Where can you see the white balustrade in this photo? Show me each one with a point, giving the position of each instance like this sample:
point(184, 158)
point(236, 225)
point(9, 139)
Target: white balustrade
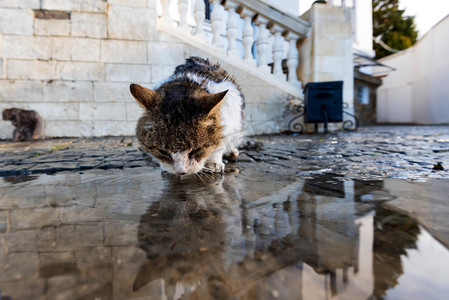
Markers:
point(262, 41)
point(292, 57)
point(247, 35)
point(283, 28)
point(200, 15)
point(183, 6)
point(232, 28)
point(166, 16)
point(278, 50)
point(216, 20)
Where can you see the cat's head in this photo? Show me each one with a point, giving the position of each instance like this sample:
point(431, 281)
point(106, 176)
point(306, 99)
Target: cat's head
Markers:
point(181, 124)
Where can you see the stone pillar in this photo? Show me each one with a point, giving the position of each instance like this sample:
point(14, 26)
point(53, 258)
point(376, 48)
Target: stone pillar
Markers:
point(326, 54)
point(278, 51)
point(248, 35)
point(262, 42)
point(199, 13)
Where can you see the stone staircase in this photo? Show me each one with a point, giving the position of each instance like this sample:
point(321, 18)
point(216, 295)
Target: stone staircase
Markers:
point(256, 43)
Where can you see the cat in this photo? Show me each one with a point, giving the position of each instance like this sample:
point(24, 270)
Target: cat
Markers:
point(192, 119)
point(27, 123)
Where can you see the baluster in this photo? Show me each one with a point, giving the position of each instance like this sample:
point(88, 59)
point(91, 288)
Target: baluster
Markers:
point(199, 11)
point(216, 19)
point(248, 35)
point(166, 16)
point(292, 57)
point(262, 42)
point(183, 6)
point(278, 51)
point(231, 28)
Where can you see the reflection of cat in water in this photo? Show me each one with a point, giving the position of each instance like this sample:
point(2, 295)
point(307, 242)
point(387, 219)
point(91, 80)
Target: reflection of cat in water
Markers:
point(184, 234)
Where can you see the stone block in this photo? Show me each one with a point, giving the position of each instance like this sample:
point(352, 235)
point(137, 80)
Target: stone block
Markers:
point(3, 221)
point(6, 129)
point(34, 288)
point(335, 30)
point(21, 91)
point(16, 21)
point(81, 215)
point(111, 92)
point(139, 3)
point(133, 111)
point(128, 73)
point(89, 5)
point(27, 197)
point(330, 47)
point(76, 49)
point(34, 218)
point(120, 233)
point(18, 266)
point(113, 128)
point(102, 111)
point(33, 4)
point(56, 111)
point(65, 91)
point(331, 64)
point(166, 53)
point(2, 72)
point(95, 256)
point(160, 73)
point(34, 70)
point(52, 27)
point(79, 237)
point(31, 240)
point(127, 262)
point(89, 25)
point(88, 71)
point(26, 47)
point(131, 23)
point(63, 5)
point(68, 128)
point(123, 51)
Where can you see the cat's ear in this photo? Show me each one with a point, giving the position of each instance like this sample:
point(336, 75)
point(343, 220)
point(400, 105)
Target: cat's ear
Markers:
point(144, 96)
point(212, 102)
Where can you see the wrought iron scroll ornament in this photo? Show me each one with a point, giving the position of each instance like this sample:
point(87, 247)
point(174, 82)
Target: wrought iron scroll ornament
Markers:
point(348, 124)
point(295, 124)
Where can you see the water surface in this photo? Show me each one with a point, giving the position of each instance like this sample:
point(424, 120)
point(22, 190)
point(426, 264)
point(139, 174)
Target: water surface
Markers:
point(139, 234)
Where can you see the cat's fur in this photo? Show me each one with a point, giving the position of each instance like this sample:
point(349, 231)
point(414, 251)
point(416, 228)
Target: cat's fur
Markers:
point(191, 120)
point(27, 123)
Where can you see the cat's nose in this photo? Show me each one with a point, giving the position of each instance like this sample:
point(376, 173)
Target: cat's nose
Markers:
point(181, 173)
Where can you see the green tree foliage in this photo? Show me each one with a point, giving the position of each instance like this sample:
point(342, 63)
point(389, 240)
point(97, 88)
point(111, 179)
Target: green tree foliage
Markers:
point(396, 30)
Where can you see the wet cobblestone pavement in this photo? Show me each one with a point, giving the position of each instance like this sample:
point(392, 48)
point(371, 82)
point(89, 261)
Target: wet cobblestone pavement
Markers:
point(356, 215)
point(407, 152)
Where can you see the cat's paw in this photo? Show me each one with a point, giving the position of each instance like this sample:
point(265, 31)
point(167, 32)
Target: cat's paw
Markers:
point(232, 156)
point(214, 167)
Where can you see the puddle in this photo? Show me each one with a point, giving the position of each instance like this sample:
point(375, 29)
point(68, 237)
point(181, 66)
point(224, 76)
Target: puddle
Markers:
point(251, 235)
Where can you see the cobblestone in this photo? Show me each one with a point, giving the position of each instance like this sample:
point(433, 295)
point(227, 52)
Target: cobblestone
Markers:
point(408, 152)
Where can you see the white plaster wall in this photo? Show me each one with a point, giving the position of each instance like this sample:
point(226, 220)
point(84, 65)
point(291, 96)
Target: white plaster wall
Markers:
point(418, 91)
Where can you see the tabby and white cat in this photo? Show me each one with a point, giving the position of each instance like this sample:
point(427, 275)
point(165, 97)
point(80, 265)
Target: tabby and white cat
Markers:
point(192, 119)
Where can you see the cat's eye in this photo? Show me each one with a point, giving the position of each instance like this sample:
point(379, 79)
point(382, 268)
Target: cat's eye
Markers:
point(163, 152)
point(195, 151)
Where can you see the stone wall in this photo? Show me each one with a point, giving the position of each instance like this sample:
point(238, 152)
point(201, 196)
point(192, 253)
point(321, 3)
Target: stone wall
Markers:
point(72, 61)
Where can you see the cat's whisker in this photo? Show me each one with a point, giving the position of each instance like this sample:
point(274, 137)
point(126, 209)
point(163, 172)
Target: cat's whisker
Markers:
point(206, 175)
point(198, 175)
